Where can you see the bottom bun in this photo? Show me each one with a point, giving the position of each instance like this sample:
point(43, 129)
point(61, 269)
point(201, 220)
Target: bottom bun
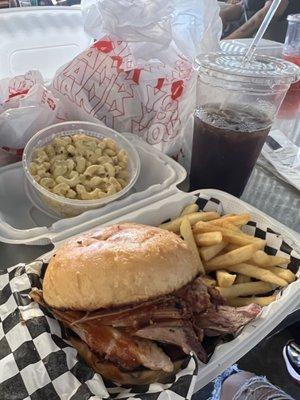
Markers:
point(111, 372)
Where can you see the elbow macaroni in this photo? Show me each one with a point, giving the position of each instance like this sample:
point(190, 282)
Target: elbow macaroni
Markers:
point(81, 167)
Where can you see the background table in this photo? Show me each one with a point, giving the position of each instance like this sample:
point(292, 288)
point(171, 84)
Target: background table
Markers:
point(273, 196)
point(270, 193)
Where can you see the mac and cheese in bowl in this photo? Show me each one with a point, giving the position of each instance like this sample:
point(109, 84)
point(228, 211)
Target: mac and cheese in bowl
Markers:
point(79, 169)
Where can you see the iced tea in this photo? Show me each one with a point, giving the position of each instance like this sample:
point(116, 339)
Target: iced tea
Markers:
point(227, 142)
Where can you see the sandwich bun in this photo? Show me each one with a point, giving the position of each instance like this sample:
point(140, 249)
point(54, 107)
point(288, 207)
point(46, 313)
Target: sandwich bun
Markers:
point(117, 265)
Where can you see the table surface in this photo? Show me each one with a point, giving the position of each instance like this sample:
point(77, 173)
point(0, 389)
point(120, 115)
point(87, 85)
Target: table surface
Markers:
point(273, 196)
point(270, 193)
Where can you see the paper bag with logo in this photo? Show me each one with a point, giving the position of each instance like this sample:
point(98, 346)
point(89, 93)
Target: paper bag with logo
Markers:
point(138, 76)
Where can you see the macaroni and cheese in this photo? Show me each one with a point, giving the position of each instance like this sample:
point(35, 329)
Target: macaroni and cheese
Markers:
point(81, 167)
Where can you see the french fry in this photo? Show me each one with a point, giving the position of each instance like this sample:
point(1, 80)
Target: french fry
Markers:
point(236, 256)
point(237, 220)
point(283, 273)
point(207, 253)
point(187, 234)
point(245, 301)
point(232, 227)
point(235, 237)
point(245, 289)
point(264, 260)
point(231, 246)
point(174, 225)
point(209, 281)
point(191, 208)
point(257, 273)
point(242, 278)
point(208, 238)
point(225, 279)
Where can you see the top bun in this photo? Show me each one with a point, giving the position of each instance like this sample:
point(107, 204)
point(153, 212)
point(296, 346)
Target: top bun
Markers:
point(117, 265)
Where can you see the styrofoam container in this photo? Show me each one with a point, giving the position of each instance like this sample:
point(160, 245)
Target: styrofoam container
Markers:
point(44, 38)
point(62, 206)
point(40, 38)
point(24, 219)
point(228, 353)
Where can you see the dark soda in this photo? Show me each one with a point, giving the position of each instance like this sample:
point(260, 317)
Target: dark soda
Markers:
point(227, 142)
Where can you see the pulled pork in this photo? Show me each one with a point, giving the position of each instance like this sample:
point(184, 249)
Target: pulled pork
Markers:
point(134, 336)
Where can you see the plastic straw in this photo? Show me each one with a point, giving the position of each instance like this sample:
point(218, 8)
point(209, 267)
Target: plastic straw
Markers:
point(245, 12)
point(261, 31)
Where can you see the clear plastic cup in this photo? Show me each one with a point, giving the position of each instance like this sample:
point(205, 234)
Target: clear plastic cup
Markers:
point(290, 107)
point(292, 39)
point(236, 105)
point(62, 206)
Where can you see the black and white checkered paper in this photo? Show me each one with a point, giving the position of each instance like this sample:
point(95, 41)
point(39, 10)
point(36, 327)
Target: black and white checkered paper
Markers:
point(38, 363)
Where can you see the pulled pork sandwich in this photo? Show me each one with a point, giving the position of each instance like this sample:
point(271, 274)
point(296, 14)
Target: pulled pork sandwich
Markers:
point(133, 303)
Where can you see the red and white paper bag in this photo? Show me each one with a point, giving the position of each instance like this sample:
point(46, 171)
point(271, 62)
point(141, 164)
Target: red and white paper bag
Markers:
point(26, 106)
point(138, 76)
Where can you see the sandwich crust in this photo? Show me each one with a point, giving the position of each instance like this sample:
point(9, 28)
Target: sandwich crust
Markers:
point(117, 265)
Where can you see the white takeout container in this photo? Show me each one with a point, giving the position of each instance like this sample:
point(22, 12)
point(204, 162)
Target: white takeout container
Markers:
point(24, 219)
point(62, 206)
point(40, 38)
point(228, 353)
point(45, 38)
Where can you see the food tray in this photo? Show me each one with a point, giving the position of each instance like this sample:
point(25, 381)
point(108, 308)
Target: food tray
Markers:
point(280, 240)
point(25, 220)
